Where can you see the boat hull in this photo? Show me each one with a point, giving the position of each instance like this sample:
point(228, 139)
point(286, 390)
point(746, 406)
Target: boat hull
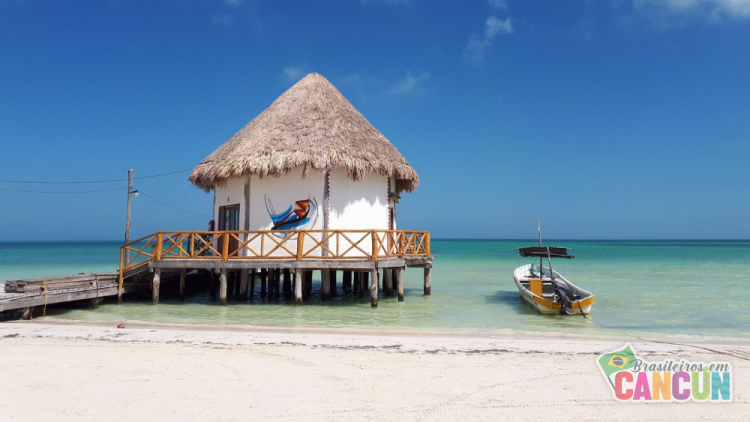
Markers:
point(550, 307)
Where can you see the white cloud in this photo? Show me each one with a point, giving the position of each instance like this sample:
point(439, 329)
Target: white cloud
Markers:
point(714, 8)
point(495, 25)
point(396, 2)
point(224, 19)
point(474, 51)
point(294, 73)
point(478, 45)
point(499, 4)
point(409, 83)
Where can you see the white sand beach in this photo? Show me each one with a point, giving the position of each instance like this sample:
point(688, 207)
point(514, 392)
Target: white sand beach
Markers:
point(84, 371)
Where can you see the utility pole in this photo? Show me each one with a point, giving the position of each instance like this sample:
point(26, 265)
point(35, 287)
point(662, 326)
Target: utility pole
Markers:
point(127, 221)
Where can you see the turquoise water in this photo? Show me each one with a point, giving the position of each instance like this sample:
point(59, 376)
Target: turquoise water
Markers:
point(652, 288)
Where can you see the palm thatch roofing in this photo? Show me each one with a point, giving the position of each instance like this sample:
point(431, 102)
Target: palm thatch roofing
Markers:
point(311, 126)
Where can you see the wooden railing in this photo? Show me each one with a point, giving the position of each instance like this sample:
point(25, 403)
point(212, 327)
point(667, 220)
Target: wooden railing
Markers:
point(267, 244)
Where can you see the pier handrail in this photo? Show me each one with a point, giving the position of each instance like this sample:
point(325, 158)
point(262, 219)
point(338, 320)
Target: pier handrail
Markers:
point(273, 244)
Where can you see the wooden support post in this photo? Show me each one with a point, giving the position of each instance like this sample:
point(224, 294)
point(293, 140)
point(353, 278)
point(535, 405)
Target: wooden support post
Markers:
point(374, 288)
point(346, 284)
point(277, 283)
point(298, 276)
point(387, 282)
point(332, 278)
point(364, 278)
point(94, 303)
point(243, 284)
point(325, 277)
point(213, 283)
point(400, 283)
point(252, 283)
point(223, 287)
point(427, 281)
point(182, 284)
point(235, 284)
point(356, 281)
point(263, 274)
point(287, 284)
point(155, 283)
point(308, 283)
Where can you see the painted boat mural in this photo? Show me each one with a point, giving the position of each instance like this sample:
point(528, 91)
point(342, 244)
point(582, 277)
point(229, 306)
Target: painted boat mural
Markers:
point(301, 215)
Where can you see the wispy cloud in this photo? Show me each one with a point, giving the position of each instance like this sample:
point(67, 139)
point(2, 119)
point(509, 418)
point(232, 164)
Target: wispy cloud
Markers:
point(713, 10)
point(294, 73)
point(493, 26)
point(239, 13)
point(224, 19)
point(394, 2)
point(499, 4)
point(409, 83)
point(475, 49)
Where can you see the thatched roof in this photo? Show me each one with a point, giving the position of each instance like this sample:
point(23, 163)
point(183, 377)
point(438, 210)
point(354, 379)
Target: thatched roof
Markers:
point(311, 126)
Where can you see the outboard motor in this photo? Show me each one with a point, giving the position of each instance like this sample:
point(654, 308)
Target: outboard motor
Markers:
point(564, 298)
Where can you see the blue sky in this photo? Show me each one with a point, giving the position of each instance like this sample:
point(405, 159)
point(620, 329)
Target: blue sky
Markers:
point(607, 119)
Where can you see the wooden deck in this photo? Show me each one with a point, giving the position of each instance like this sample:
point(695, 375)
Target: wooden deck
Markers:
point(361, 255)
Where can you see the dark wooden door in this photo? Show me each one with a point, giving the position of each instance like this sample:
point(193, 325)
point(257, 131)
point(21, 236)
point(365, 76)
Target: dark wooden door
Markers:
point(229, 219)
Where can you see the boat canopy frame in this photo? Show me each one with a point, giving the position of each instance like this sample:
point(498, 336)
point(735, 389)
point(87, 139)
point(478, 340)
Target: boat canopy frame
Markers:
point(545, 252)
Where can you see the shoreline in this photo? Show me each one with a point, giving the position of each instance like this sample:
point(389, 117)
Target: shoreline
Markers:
point(617, 334)
point(399, 340)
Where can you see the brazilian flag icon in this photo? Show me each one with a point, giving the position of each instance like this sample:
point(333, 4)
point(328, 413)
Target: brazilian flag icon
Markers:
point(618, 360)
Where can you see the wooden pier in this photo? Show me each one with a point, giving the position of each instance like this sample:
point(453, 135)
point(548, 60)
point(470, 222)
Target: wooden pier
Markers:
point(24, 295)
point(234, 262)
point(364, 257)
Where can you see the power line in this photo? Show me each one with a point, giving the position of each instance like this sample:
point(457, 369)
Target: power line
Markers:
point(63, 192)
point(90, 181)
point(171, 206)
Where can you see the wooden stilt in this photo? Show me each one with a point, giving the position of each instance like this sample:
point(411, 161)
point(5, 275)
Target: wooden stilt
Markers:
point(277, 283)
point(243, 284)
point(155, 283)
point(387, 282)
point(298, 276)
point(94, 303)
point(374, 288)
point(332, 278)
point(212, 288)
point(287, 284)
point(182, 284)
point(356, 281)
point(308, 283)
point(231, 283)
point(364, 278)
point(252, 283)
point(263, 274)
point(346, 283)
point(427, 281)
point(325, 277)
point(400, 283)
point(223, 287)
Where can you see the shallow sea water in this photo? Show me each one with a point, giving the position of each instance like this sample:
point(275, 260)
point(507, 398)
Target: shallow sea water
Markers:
point(645, 288)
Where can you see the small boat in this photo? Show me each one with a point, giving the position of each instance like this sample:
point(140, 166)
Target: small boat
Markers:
point(547, 290)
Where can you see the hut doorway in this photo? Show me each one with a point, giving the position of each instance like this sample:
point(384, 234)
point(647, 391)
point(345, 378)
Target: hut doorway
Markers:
point(229, 219)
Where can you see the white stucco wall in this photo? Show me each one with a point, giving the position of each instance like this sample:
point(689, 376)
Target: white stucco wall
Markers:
point(360, 205)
